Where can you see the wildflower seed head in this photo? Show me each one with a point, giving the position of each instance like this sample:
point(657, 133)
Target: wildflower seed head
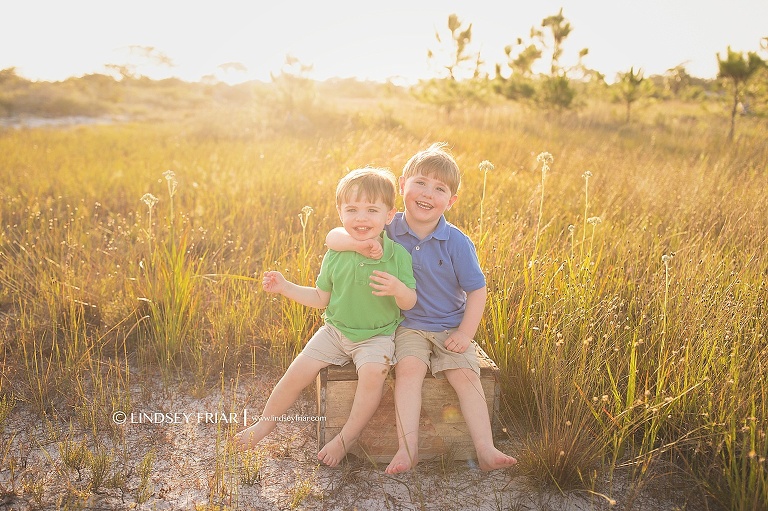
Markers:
point(306, 211)
point(587, 175)
point(149, 199)
point(571, 228)
point(485, 166)
point(594, 220)
point(170, 177)
point(546, 158)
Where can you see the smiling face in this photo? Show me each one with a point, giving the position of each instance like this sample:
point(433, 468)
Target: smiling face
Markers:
point(365, 200)
point(363, 219)
point(426, 198)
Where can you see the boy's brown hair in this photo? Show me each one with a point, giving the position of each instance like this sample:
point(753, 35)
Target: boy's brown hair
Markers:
point(437, 162)
point(369, 182)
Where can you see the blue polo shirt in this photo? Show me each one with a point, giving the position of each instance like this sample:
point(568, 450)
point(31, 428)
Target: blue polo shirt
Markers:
point(446, 268)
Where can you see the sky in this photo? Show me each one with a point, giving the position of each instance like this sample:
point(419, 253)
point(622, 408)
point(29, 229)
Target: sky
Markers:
point(54, 39)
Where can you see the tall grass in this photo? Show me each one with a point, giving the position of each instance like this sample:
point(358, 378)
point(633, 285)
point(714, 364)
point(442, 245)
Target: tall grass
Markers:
point(614, 356)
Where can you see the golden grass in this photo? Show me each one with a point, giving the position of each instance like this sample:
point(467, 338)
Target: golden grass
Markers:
point(622, 344)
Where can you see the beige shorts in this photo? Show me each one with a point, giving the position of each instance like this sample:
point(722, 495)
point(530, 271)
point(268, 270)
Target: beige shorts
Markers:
point(330, 345)
point(429, 347)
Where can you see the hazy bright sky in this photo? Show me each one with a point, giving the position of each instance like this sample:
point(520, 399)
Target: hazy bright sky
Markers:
point(55, 39)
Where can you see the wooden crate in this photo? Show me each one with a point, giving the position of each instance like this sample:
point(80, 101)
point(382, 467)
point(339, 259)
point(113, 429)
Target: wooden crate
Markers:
point(442, 430)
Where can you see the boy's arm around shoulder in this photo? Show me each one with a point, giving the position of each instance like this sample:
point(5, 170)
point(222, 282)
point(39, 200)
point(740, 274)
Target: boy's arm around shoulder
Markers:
point(339, 240)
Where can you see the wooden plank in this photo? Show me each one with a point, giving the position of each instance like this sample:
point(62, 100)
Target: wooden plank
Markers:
point(442, 429)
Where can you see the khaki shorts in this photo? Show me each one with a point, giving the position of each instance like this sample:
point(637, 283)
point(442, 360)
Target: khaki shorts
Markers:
point(330, 345)
point(429, 347)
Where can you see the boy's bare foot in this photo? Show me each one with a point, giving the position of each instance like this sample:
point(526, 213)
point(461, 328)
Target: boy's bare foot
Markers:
point(493, 459)
point(334, 451)
point(402, 462)
point(243, 440)
point(248, 438)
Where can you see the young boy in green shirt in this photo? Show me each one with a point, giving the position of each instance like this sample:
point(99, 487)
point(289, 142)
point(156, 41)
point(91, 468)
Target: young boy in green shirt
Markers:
point(437, 333)
point(362, 298)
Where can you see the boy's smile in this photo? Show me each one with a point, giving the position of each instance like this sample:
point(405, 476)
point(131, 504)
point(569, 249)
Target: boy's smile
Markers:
point(364, 220)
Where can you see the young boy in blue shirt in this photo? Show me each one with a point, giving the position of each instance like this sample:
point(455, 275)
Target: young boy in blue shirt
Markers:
point(437, 332)
point(362, 298)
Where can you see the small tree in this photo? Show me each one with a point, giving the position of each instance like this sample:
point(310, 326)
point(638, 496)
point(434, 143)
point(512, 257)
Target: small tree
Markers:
point(630, 87)
point(519, 85)
point(676, 79)
point(557, 91)
point(295, 90)
point(525, 59)
point(556, 88)
point(738, 69)
point(455, 53)
point(455, 57)
point(560, 30)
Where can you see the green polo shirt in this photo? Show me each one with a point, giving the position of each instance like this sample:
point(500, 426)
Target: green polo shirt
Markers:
point(353, 308)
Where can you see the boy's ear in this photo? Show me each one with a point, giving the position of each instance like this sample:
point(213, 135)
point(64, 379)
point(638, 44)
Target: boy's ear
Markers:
point(401, 183)
point(452, 201)
point(391, 215)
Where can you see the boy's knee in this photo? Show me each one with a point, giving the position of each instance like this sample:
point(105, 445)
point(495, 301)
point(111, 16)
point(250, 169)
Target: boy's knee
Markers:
point(372, 371)
point(462, 376)
point(411, 366)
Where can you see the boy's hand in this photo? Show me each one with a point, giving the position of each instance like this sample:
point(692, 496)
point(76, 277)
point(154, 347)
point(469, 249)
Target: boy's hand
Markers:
point(371, 249)
point(384, 284)
point(273, 282)
point(458, 342)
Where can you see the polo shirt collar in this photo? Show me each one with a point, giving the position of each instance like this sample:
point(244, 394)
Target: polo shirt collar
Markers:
point(441, 232)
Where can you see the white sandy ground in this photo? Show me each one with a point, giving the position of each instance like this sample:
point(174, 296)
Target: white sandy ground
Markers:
point(191, 471)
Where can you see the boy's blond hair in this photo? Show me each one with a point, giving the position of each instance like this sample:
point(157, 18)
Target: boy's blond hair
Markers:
point(370, 183)
point(435, 161)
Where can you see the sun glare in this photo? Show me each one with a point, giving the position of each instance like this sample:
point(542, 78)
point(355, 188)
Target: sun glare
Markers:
point(240, 41)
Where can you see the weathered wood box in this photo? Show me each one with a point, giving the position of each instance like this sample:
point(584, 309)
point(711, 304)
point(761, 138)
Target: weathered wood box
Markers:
point(442, 430)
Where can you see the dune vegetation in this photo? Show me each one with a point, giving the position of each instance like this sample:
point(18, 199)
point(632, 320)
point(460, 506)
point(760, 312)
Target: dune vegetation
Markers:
point(626, 266)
